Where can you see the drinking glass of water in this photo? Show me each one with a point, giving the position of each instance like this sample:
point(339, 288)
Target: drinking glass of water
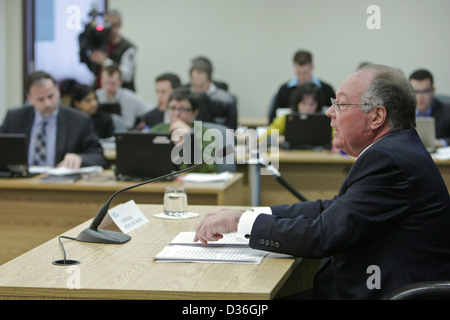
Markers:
point(175, 202)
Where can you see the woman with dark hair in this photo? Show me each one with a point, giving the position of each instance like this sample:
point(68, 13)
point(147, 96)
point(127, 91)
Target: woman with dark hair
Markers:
point(84, 99)
point(306, 99)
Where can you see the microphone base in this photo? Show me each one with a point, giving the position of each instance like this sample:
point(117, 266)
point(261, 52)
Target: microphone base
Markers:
point(103, 236)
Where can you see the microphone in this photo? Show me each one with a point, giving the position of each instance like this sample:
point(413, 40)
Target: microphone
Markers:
point(282, 181)
point(95, 235)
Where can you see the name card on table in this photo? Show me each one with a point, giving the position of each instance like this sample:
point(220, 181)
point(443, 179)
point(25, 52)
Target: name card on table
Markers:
point(127, 217)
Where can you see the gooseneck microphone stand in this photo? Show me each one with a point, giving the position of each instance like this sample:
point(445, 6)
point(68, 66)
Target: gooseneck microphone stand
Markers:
point(282, 181)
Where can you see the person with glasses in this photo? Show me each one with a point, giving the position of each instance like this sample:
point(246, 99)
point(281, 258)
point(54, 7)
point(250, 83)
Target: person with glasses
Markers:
point(183, 109)
point(387, 227)
point(428, 106)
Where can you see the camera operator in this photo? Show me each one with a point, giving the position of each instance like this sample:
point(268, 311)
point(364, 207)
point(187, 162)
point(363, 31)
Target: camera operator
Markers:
point(117, 50)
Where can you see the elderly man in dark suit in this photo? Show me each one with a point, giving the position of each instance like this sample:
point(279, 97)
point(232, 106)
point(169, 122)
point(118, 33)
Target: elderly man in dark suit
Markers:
point(388, 225)
point(57, 135)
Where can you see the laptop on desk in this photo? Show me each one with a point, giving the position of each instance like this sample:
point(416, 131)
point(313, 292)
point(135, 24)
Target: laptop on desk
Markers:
point(426, 128)
point(143, 156)
point(14, 156)
point(113, 108)
point(307, 131)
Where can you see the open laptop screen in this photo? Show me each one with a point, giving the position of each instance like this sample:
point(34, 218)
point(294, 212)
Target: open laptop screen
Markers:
point(14, 155)
point(143, 156)
point(307, 131)
point(426, 128)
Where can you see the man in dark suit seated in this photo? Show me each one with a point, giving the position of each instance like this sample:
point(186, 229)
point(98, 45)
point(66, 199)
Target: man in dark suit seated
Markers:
point(388, 225)
point(164, 86)
point(57, 135)
point(303, 67)
point(428, 106)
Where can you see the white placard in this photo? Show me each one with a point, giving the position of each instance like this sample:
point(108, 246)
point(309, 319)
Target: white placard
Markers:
point(127, 216)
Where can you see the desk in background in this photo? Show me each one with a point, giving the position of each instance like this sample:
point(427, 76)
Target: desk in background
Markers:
point(32, 212)
point(128, 271)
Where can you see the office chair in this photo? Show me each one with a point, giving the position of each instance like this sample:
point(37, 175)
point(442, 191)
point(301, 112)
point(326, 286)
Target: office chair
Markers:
point(427, 290)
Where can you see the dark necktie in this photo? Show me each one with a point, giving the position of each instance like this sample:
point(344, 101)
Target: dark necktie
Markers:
point(40, 153)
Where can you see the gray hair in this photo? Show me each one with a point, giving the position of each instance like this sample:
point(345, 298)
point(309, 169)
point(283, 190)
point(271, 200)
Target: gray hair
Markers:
point(393, 91)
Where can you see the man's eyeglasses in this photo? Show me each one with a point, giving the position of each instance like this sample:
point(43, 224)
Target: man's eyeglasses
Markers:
point(180, 110)
point(424, 92)
point(337, 105)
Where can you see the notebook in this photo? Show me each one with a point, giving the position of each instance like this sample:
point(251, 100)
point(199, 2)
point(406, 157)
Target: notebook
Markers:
point(14, 155)
point(426, 128)
point(143, 156)
point(307, 131)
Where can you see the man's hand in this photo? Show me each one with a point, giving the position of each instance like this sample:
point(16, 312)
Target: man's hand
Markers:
point(71, 161)
point(215, 224)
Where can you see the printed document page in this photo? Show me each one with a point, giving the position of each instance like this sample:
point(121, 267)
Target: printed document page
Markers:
point(229, 240)
point(210, 254)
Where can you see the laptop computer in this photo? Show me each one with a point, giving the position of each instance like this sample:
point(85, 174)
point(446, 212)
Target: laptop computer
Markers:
point(14, 156)
point(426, 128)
point(307, 131)
point(143, 156)
point(113, 108)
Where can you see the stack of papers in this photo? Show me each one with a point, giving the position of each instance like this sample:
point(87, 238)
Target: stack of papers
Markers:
point(63, 175)
point(229, 249)
point(228, 240)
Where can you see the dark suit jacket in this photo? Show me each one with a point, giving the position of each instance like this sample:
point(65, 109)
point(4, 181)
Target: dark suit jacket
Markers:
point(392, 212)
point(153, 117)
point(441, 114)
point(75, 133)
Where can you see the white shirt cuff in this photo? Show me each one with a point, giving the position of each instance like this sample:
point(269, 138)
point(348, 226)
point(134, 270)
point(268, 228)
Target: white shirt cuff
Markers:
point(248, 219)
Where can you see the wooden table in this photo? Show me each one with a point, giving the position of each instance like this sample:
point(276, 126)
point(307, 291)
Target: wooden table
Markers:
point(128, 271)
point(32, 212)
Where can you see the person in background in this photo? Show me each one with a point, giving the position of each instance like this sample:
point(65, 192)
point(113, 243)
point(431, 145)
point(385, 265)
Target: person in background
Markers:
point(164, 85)
point(216, 105)
point(428, 106)
point(119, 50)
point(131, 104)
point(388, 225)
point(303, 67)
point(183, 108)
point(306, 99)
point(57, 135)
point(83, 98)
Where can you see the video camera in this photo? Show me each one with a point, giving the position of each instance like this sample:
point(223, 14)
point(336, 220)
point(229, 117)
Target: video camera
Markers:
point(94, 37)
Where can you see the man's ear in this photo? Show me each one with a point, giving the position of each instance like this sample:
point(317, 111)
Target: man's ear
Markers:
point(379, 115)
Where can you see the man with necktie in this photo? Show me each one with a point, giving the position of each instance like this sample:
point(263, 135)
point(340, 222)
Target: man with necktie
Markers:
point(57, 135)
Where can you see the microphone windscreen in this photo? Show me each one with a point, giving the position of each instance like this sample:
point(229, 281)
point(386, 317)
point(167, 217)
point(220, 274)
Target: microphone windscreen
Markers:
point(225, 151)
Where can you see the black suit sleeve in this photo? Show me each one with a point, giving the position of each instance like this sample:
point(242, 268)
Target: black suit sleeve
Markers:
point(360, 211)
